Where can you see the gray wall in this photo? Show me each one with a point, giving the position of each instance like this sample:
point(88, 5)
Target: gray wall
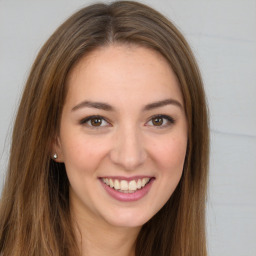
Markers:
point(223, 37)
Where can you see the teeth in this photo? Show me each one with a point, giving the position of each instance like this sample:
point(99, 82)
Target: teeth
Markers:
point(144, 181)
point(125, 186)
point(132, 185)
point(111, 183)
point(117, 184)
point(138, 184)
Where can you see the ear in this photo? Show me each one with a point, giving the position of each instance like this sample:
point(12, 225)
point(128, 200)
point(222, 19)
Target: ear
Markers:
point(56, 151)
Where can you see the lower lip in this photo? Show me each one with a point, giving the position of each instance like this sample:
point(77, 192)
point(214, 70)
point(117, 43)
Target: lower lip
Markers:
point(128, 197)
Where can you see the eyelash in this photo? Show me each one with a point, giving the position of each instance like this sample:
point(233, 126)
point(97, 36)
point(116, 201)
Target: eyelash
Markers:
point(90, 118)
point(170, 121)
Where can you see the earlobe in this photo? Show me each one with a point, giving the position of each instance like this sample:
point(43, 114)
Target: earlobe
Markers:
point(55, 156)
point(56, 152)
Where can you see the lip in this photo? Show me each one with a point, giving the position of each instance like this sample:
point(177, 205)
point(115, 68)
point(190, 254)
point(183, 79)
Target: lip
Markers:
point(128, 197)
point(125, 178)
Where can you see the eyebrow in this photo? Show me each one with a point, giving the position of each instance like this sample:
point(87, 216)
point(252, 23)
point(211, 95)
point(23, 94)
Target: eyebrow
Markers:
point(90, 104)
point(162, 103)
point(107, 107)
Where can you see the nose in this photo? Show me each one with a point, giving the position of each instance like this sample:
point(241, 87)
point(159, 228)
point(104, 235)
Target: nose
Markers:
point(128, 150)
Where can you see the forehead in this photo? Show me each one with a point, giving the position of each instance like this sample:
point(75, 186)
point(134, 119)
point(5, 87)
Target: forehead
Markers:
point(123, 71)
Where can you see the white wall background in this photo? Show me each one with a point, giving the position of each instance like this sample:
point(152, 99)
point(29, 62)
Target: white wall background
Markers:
point(222, 34)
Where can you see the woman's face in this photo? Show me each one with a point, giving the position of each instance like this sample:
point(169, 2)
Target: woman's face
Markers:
point(123, 135)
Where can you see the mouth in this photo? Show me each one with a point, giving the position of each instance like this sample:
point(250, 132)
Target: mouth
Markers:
point(126, 186)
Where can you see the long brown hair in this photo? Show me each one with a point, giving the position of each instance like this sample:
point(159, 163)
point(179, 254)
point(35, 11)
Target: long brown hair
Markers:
point(34, 210)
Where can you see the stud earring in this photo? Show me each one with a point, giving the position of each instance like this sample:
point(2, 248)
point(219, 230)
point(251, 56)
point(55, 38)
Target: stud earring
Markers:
point(55, 156)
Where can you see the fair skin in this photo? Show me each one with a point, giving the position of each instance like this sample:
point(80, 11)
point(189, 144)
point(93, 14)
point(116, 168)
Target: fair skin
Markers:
point(123, 119)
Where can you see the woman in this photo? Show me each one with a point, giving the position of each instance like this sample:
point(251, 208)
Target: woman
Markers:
point(110, 145)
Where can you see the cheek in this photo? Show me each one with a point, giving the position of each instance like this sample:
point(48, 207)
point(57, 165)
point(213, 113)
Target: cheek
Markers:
point(82, 154)
point(170, 153)
point(169, 156)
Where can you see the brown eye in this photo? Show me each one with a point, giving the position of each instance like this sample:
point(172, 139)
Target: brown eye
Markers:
point(96, 121)
point(161, 121)
point(157, 121)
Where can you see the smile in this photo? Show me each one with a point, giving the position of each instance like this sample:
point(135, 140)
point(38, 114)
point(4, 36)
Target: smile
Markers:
point(125, 186)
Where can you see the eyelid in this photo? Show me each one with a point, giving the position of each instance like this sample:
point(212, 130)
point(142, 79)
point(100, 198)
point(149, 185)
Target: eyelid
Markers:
point(88, 118)
point(169, 119)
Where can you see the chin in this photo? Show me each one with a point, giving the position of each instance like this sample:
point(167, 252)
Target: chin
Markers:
point(128, 219)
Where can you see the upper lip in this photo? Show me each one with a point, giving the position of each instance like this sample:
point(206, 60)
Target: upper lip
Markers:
point(126, 178)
